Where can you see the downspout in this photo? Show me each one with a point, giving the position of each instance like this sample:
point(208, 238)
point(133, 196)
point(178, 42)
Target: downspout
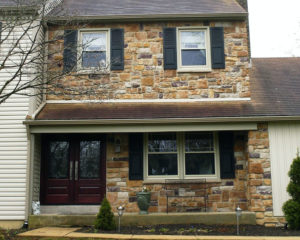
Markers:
point(28, 176)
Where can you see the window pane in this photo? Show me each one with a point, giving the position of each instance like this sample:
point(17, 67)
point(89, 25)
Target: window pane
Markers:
point(94, 41)
point(93, 59)
point(193, 39)
point(58, 162)
point(199, 163)
point(162, 142)
point(162, 164)
point(196, 142)
point(193, 57)
point(89, 159)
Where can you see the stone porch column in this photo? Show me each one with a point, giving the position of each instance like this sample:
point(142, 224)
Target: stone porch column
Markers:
point(259, 176)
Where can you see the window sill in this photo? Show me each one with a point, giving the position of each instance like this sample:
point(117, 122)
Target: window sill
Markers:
point(188, 70)
point(92, 72)
point(181, 181)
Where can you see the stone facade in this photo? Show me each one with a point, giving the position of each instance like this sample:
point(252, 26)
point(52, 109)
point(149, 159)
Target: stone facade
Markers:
point(251, 189)
point(222, 196)
point(259, 177)
point(144, 76)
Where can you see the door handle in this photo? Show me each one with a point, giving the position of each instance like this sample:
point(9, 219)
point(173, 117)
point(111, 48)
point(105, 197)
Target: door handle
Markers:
point(71, 170)
point(76, 170)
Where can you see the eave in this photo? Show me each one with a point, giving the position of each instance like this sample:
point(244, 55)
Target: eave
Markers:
point(154, 17)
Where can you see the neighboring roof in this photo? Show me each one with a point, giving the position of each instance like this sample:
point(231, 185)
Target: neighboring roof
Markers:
point(275, 88)
point(114, 9)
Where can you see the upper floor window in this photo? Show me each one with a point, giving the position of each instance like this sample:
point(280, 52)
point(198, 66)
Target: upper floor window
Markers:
point(193, 49)
point(94, 49)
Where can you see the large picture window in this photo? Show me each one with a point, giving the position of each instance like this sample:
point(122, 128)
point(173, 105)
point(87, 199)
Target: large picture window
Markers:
point(181, 155)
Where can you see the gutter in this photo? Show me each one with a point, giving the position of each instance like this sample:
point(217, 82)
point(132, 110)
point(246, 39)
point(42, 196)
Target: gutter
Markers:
point(160, 120)
point(156, 17)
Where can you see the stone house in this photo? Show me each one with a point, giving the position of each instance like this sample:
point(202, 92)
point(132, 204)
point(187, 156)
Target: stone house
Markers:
point(161, 94)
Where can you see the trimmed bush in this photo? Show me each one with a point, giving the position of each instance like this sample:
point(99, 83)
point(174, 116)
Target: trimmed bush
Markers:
point(291, 208)
point(105, 217)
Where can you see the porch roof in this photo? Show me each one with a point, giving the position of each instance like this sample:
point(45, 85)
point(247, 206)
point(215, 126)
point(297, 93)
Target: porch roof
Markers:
point(275, 87)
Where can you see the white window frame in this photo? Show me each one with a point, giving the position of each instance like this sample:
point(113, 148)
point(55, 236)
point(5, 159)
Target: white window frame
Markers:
point(193, 68)
point(180, 140)
point(80, 50)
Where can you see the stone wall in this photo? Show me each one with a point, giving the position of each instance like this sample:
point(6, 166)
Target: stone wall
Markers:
point(259, 177)
point(222, 196)
point(144, 76)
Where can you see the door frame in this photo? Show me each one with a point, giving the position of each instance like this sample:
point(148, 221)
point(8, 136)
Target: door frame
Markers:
point(73, 139)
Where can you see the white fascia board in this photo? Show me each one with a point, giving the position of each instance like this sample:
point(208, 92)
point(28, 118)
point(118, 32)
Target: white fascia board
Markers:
point(150, 100)
point(155, 16)
point(126, 128)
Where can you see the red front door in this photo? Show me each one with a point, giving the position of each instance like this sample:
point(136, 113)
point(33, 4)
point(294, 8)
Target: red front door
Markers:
point(73, 169)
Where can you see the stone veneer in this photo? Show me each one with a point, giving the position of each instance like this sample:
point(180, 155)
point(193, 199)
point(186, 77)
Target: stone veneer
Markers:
point(259, 177)
point(144, 76)
point(251, 188)
point(222, 196)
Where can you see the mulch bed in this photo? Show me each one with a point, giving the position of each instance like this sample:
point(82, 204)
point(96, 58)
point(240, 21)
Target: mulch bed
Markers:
point(200, 229)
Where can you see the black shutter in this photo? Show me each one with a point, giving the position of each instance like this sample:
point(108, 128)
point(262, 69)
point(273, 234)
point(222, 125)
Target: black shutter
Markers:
point(117, 49)
point(70, 50)
point(170, 51)
point(217, 47)
point(227, 155)
point(136, 156)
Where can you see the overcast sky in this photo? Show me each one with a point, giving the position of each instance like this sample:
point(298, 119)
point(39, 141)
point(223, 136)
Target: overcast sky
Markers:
point(274, 28)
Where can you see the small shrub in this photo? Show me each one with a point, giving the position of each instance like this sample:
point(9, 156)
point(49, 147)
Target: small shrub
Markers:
point(192, 230)
point(105, 217)
point(152, 230)
point(163, 230)
point(291, 208)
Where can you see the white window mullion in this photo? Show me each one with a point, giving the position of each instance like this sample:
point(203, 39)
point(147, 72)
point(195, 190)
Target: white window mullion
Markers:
point(181, 155)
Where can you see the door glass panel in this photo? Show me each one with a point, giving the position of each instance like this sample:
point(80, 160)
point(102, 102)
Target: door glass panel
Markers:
point(58, 163)
point(89, 165)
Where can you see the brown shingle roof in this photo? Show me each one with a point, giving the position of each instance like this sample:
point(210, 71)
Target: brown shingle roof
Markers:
point(275, 88)
point(131, 8)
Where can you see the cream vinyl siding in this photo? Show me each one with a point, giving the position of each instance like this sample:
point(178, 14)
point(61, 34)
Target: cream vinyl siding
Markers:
point(13, 137)
point(284, 142)
point(36, 168)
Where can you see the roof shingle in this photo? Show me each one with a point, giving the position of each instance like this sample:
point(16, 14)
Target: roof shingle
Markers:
point(117, 8)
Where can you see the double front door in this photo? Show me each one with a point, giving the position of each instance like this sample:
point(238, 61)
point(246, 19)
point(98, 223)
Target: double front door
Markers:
point(73, 169)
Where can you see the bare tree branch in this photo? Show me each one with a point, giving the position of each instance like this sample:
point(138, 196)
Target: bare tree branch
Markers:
point(27, 65)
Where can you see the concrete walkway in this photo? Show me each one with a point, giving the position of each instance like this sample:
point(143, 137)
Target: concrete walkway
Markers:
point(70, 233)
